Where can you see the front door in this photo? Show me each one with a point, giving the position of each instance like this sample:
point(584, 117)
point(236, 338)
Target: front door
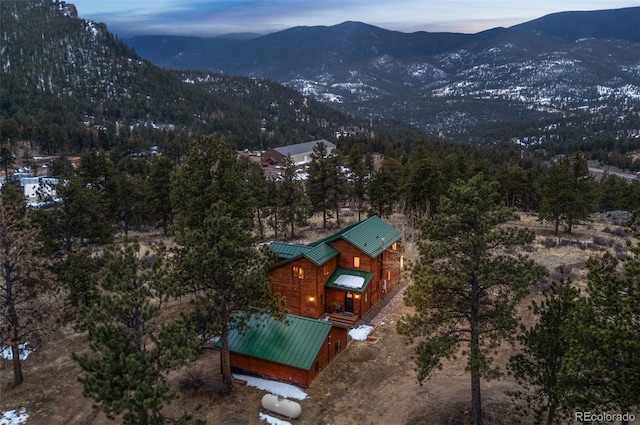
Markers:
point(348, 302)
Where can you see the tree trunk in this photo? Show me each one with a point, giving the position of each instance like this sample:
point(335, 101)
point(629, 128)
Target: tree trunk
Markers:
point(557, 225)
point(17, 365)
point(476, 399)
point(260, 225)
point(225, 360)
point(551, 415)
point(15, 348)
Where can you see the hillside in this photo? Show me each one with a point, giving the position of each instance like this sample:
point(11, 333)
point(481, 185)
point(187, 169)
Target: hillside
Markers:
point(571, 64)
point(69, 84)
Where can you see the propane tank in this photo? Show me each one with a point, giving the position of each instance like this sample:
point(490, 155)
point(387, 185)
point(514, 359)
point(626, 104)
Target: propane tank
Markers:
point(281, 405)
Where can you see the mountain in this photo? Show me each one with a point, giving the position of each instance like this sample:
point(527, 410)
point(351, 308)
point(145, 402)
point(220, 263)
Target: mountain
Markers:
point(564, 64)
point(619, 24)
point(68, 84)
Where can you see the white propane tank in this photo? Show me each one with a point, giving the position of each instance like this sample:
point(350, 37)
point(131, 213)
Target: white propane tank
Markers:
point(281, 405)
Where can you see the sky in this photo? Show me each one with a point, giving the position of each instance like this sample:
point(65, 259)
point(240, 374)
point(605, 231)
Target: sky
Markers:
point(128, 18)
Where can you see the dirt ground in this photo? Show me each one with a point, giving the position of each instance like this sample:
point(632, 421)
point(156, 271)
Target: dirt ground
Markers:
point(370, 383)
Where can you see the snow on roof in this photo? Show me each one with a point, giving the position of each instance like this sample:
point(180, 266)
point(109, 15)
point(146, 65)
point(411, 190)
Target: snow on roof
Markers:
point(349, 281)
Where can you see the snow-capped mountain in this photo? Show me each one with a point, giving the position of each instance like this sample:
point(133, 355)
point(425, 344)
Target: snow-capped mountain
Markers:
point(561, 64)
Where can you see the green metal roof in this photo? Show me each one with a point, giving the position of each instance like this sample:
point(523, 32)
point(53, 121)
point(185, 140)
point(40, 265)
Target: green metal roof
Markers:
point(372, 236)
point(295, 342)
point(285, 250)
point(331, 283)
point(319, 254)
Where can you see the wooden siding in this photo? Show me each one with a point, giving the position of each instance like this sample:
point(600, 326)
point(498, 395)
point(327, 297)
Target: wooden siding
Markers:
point(285, 373)
point(348, 252)
point(306, 296)
point(385, 267)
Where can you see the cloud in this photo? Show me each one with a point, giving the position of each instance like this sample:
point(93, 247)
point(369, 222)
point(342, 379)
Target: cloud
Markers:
point(198, 17)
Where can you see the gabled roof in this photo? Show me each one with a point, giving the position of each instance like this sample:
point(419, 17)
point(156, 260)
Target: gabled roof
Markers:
point(302, 147)
point(371, 236)
point(340, 273)
point(295, 342)
point(319, 254)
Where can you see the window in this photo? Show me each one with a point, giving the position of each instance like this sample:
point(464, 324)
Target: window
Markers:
point(388, 274)
point(298, 272)
point(337, 346)
point(318, 366)
point(356, 262)
point(394, 247)
point(326, 269)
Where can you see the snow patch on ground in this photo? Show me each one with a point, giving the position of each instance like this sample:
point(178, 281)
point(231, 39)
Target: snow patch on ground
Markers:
point(14, 417)
point(272, 421)
point(5, 353)
point(361, 332)
point(274, 387)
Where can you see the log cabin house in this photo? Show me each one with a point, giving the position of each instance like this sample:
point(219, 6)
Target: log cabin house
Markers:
point(343, 275)
point(327, 286)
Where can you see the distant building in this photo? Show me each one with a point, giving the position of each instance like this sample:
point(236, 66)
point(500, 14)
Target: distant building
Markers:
point(300, 153)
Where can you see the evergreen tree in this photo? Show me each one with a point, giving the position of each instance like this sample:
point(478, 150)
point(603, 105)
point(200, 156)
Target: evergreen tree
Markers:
point(338, 191)
point(361, 167)
point(131, 351)
point(422, 184)
point(605, 361)
point(217, 264)
point(295, 205)
point(383, 187)
point(210, 173)
point(215, 260)
point(319, 188)
point(541, 367)
point(468, 282)
point(567, 193)
point(24, 277)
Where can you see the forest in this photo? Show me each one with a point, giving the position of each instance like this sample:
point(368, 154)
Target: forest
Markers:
point(144, 153)
point(76, 261)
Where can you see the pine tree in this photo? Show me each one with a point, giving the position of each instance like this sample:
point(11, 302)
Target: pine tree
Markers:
point(468, 282)
point(541, 367)
point(158, 197)
point(131, 351)
point(24, 277)
point(604, 359)
point(319, 182)
point(294, 203)
point(215, 261)
point(217, 264)
point(338, 189)
point(383, 188)
point(567, 193)
point(361, 167)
